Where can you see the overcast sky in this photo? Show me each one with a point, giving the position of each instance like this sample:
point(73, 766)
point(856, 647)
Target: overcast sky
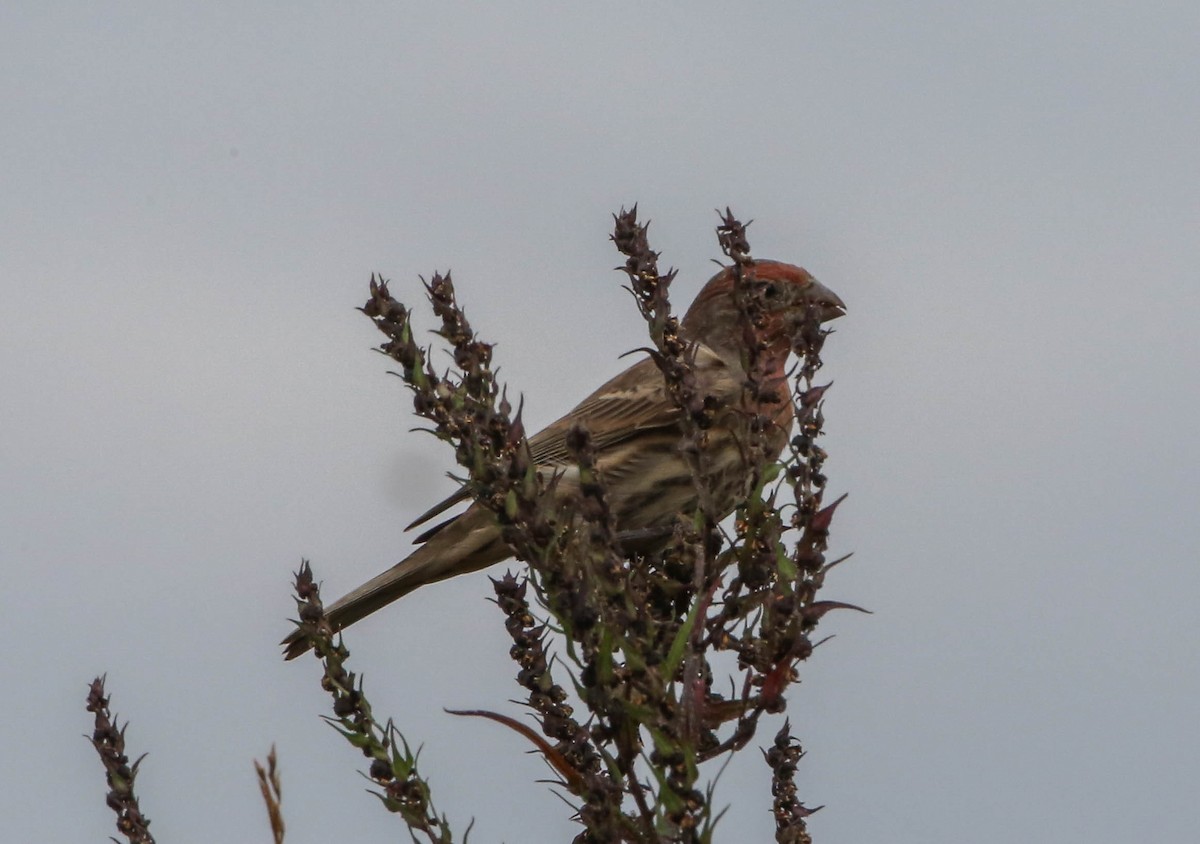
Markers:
point(193, 196)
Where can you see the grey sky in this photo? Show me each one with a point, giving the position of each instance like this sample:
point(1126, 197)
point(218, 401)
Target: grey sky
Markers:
point(192, 197)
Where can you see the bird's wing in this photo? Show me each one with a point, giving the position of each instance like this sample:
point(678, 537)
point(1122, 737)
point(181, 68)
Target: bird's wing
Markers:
point(633, 400)
point(630, 403)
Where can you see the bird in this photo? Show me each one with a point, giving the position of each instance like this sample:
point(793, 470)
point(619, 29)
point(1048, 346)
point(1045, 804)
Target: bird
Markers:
point(636, 429)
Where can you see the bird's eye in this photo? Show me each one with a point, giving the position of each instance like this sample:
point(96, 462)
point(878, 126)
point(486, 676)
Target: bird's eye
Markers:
point(771, 291)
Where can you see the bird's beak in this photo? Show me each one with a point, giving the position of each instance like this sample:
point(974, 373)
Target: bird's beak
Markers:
point(829, 304)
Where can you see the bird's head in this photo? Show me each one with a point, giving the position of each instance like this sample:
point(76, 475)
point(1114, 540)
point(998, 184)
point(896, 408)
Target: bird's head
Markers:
point(789, 294)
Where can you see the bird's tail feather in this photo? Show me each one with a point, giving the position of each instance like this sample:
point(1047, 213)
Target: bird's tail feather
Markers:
point(471, 542)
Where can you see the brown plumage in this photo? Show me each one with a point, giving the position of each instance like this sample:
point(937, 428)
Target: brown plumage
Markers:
point(636, 433)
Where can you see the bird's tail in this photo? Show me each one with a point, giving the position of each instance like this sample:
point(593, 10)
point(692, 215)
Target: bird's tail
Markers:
point(468, 543)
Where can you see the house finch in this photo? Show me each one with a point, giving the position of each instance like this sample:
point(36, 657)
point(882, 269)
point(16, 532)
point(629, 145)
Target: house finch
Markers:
point(636, 431)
